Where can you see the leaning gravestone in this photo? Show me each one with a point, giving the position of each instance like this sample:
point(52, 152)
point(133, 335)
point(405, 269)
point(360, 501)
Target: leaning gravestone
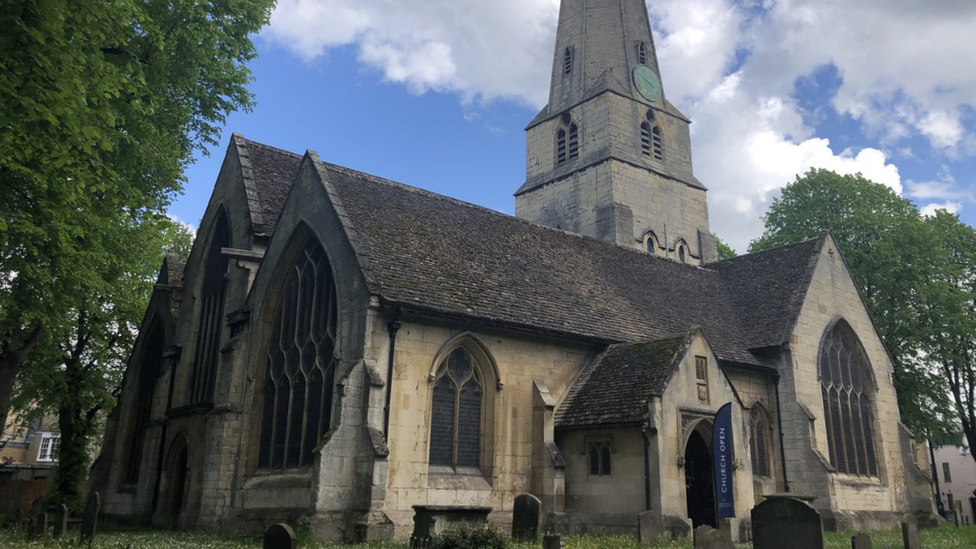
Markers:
point(553, 542)
point(707, 537)
point(783, 521)
point(861, 541)
point(525, 518)
point(909, 533)
point(280, 536)
point(38, 519)
point(60, 521)
point(89, 520)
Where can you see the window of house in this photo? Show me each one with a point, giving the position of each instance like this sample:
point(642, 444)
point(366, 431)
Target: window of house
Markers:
point(568, 61)
point(599, 451)
point(946, 473)
point(50, 447)
point(759, 426)
point(846, 386)
point(457, 409)
point(642, 53)
point(701, 376)
point(211, 316)
point(300, 363)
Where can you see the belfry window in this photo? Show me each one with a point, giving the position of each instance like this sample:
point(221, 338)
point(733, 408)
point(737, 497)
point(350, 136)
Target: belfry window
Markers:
point(845, 382)
point(300, 363)
point(642, 53)
point(211, 316)
point(759, 427)
point(567, 143)
point(457, 410)
point(573, 142)
point(568, 61)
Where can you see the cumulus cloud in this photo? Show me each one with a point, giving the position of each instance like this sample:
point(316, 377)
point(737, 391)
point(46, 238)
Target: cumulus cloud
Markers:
point(951, 207)
point(905, 70)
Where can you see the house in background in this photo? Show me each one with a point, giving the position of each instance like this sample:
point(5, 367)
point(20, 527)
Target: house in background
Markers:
point(956, 470)
point(29, 450)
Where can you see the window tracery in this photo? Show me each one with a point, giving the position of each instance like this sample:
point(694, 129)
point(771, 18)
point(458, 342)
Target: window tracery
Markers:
point(759, 445)
point(211, 315)
point(457, 411)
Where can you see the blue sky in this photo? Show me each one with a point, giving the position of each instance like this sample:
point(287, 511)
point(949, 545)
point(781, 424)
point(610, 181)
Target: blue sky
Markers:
point(436, 94)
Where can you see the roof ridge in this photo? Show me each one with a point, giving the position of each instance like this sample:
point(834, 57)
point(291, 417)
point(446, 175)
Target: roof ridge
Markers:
point(770, 250)
point(266, 146)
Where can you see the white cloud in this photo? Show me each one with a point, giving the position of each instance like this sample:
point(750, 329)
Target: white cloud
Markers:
point(951, 207)
point(731, 65)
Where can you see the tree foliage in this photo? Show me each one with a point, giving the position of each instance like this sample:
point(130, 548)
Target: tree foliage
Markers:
point(724, 250)
point(104, 104)
point(893, 255)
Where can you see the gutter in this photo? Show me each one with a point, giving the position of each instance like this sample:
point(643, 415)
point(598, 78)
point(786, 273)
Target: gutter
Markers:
point(647, 466)
point(782, 443)
point(393, 328)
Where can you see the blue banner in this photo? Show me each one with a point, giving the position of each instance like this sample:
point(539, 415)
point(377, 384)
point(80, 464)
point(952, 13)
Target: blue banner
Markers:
point(723, 456)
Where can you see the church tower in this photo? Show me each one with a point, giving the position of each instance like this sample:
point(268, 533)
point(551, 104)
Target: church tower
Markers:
point(609, 157)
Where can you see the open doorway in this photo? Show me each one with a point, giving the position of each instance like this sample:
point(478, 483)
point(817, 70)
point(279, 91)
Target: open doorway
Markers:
point(700, 481)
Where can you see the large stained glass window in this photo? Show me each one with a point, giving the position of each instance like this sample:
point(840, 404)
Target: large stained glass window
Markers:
point(456, 412)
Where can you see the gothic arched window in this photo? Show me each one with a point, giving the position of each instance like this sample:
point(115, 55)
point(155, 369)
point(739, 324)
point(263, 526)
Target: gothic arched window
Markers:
point(573, 142)
point(759, 446)
point(211, 315)
point(150, 365)
point(846, 384)
point(568, 61)
point(300, 363)
point(650, 243)
point(457, 411)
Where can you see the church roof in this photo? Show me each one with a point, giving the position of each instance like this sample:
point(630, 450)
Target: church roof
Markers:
point(268, 175)
point(613, 389)
point(433, 254)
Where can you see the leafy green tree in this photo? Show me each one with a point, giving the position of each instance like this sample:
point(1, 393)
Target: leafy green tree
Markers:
point(892, 254)
point(724, 250)
point(104, 105)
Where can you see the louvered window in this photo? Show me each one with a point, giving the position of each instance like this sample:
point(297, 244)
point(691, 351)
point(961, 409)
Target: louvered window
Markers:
point(642, 53)
point(568, 61)
point(211, 315)
point(300, 363)
point(645, 139)
point(759, 445)
point(657, 144)
point(149, 370)
point(561, 146)
point(574, 147)
point(456, 412)
point(845, 385)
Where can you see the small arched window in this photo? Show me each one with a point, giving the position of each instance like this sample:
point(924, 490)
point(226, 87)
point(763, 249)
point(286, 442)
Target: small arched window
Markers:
point(300, 363)
point(573, 142)
point(560, 146)
point(211, 315)
point(568, 61)
point(846, 386)
point(457, 410)
point(682, 251)
point(759, 427)
point(650, 243)
point(646, 146)
point(642, 53)
point(567, 142)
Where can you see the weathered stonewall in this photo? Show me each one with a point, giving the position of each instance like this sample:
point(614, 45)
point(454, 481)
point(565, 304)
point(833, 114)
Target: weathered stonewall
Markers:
point(38, 519)
point(652, 527)
point(89, 520)
point(707, 537)
point(60, 521)
point(861, 541)
point(783, 521)
point(525, 518)
point(280, 536)
point(909, 533)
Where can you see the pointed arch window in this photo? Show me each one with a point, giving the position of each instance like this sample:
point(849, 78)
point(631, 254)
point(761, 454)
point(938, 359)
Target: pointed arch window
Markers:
point(846, 388)
point(568, 61)
point(301, 363)
point(567, 143)
point(211, 314)
point(457, 412)
point(652, 139)
point(642, 53)
point(759, 445)
point(150, 366)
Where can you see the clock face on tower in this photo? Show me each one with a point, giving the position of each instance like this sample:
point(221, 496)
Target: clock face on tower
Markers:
point(648, 84)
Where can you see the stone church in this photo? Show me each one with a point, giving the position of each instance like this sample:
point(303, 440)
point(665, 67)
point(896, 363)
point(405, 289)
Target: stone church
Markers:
point(349, 350)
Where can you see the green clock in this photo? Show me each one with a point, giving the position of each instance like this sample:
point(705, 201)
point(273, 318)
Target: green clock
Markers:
point(648, 84)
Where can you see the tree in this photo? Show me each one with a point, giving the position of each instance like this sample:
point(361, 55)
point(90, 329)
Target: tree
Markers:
point(104, 104)
point(724, 250)
point(892, 253)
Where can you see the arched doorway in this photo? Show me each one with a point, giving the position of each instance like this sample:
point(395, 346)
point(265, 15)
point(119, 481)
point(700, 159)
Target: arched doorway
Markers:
point(699, 481)
point(175, 483)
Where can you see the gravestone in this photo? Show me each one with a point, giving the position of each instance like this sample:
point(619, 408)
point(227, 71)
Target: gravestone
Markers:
point(525, 518)
point(707, 537)
point(909, 533)
point(280, 536)
point(553, 542)
point(60, 521)
point(861, 541)
point(89, 520)
point(783, 521)
point(38, 519)
point(652, 527)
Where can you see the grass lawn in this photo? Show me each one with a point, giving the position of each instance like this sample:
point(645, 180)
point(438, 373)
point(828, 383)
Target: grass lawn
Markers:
point(945, 538)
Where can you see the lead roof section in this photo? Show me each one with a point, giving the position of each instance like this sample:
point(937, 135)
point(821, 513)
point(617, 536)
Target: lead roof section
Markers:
point(435, 254)
point(614, 389)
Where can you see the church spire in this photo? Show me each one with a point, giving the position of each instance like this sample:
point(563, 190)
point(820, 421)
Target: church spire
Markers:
point(599, 44)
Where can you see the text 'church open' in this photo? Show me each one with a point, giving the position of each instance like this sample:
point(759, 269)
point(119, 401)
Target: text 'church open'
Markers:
point(347, 348)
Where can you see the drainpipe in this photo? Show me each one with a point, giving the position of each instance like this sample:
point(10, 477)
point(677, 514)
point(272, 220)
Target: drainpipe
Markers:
point(782, 443)
point(174, 355)
point(939, 506)
point(393, 328)
point(647, 467)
